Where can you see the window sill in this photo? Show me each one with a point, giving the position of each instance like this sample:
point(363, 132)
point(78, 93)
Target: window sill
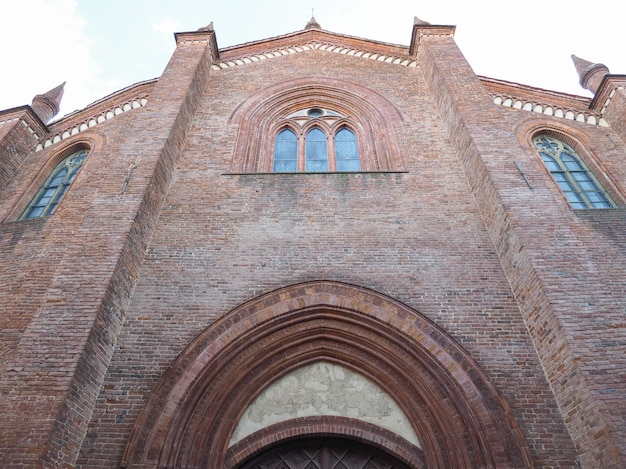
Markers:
point(312, 173)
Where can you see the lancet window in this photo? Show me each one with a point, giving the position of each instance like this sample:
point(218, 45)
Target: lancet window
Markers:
point(316, 140)
point(56, 185)
point(577, 182)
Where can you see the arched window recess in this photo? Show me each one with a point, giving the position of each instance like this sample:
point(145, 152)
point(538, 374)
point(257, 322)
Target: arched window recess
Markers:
point(574, 178)
point(54, 188)
point(326, 103)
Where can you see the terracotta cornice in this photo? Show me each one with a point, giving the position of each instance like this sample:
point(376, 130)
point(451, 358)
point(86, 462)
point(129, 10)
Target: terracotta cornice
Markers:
point(199, 37)
point(313, 36)
point(126, 99)
point(23, 112)
point(428, 30)
point(606, 90)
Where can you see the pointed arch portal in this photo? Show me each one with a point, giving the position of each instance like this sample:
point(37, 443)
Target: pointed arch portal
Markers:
point(453, 408)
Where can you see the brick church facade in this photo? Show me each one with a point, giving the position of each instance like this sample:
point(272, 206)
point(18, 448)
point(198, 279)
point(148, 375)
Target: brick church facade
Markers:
point(316, 250)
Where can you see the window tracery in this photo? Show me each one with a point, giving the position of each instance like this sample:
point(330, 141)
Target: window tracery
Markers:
point(576, 181)
point(322, 142)
point(56, 185)
point(358, 125)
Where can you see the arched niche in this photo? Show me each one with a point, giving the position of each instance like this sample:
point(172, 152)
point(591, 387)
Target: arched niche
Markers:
point(459, 418)
point(369, 114)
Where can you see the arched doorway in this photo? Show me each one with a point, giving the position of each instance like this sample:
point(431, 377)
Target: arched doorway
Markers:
point(454, 409)
point(323, 453)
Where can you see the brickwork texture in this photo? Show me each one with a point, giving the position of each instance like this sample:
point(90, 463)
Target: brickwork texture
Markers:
point(178, 277)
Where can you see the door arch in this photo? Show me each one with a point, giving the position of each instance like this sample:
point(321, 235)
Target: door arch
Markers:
point(323, 453)
point(460, 419)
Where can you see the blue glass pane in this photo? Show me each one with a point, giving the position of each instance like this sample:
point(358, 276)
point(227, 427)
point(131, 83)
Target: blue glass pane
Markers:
point(346, 151)
point(52, 208)
point(560, 177)
point(35, 212)
point(48, 192)
point(349, 165)
point(580, 176)
point(58, 178)
point(550, 162)
point(345, 135)
point(597, 198)
point(567, 186)
point(571, 163)
point(287, 135)
point(574, 197)
point(578, 205)
point(316, 151)
point(63, 190)
point(286, 152)
point(71, 177)
point(285, 166)
point(588, 185)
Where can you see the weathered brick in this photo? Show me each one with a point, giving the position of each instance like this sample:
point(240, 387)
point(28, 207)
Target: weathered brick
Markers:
point(169, 248)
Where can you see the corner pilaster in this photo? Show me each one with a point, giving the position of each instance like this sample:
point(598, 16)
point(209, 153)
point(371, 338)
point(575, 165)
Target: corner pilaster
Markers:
point(515, 217)
point(610, 100)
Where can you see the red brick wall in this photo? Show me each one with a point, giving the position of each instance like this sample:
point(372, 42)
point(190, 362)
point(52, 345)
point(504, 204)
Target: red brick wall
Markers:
point(19, 132)
point(564, 269)
point(532, 290)
point(67, 279)
point(418, 236)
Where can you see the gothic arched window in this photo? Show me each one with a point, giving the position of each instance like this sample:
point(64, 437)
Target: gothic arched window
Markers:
point(323, 143)
point(286, 152)
point(358, 123)
point(579, 185)
point(346, 151)
point(316, 153)
point(52, 191)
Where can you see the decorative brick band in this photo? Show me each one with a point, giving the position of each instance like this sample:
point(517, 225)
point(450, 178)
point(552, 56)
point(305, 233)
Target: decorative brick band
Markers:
point(9, 120)
point(406, 61)
point(550, 110)
point(261, 115)
point(92, 121)
point(23, 122)
point(609, 98)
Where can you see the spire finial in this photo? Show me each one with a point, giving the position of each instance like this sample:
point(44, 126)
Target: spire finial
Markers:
point(590, 74)
point(47, 105)
point(312, 24)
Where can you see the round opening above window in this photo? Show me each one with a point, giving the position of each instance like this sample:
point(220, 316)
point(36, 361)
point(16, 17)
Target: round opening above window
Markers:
point(315, 112)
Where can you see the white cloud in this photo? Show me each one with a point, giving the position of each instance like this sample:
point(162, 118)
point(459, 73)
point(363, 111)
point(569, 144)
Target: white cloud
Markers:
point(165, 28)
point(45, 43)
point(119, 42)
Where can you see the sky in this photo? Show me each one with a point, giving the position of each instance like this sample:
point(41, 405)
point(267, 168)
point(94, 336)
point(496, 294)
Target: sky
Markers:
point(99, 47)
